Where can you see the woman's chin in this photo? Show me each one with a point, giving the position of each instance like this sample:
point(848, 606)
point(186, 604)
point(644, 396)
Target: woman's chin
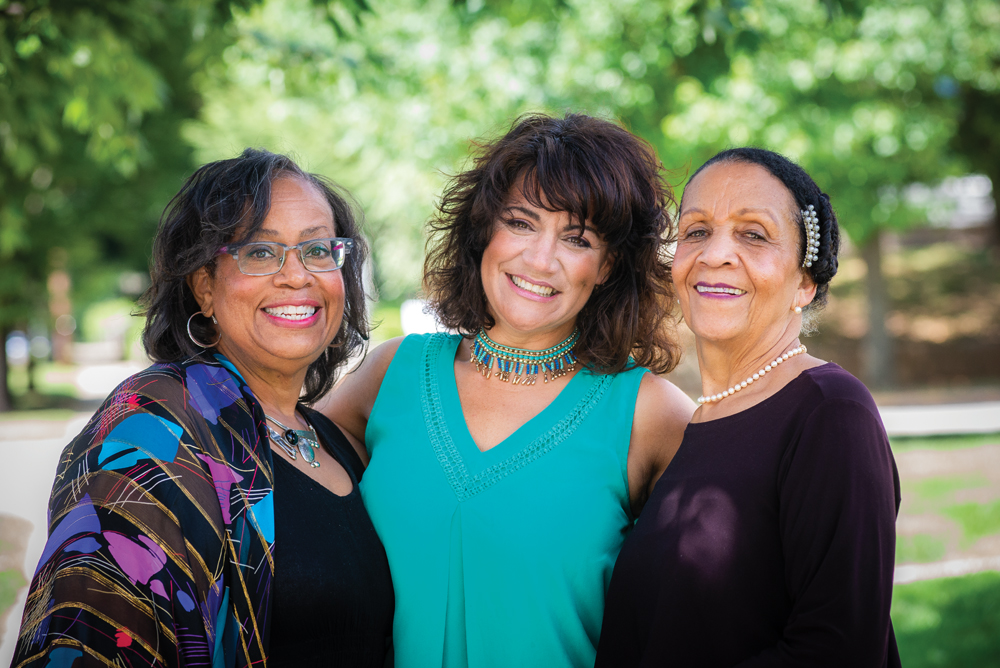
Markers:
point(718, 333)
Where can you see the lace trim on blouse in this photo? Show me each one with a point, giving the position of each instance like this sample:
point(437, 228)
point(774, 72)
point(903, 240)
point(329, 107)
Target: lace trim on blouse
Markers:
point(464, 485)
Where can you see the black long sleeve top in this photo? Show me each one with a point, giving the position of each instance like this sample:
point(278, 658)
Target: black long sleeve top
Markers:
point(768, 541)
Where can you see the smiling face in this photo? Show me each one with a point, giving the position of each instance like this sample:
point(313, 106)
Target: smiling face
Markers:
point(538, 272)
point(736, 267)
point(284, 321)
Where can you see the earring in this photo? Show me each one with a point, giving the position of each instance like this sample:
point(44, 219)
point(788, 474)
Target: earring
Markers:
point(196, 341)
point(797, 309)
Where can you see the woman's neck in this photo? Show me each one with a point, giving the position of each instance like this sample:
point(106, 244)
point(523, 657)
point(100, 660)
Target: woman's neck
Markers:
point(277, 391)
point(512, 338)
point(724, 364)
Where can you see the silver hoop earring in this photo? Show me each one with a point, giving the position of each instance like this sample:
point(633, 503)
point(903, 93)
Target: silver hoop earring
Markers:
point(196, 341)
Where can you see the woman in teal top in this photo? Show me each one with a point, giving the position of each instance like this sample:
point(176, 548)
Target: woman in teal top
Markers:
point(508, 461)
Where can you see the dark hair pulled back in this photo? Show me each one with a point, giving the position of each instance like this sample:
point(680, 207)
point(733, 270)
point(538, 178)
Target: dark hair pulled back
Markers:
point(806, 192)
point(220, 201)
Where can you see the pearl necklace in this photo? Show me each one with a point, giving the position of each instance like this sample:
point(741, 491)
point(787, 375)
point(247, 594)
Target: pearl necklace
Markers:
point(757, 376)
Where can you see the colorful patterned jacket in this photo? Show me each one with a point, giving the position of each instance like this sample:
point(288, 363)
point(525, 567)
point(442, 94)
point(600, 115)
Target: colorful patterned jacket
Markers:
point(161, 530)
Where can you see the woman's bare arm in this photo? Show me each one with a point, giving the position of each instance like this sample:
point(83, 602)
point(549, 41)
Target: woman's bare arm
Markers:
point(662, 412)
point(350, 402)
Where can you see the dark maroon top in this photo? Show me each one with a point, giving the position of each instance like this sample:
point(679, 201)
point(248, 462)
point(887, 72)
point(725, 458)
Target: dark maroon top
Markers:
point(768, 541)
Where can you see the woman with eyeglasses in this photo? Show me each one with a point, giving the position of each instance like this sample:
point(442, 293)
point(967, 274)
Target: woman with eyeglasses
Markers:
point(206, 515)
point(509, 460)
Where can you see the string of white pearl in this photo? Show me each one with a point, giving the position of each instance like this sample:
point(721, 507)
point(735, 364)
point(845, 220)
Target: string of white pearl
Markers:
point(757, 376)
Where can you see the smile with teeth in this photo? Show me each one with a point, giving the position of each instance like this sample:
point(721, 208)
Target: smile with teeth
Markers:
point(724, 291)
point(291, 312)
point(540, 290)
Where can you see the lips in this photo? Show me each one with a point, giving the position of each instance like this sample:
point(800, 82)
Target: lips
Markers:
point(288, 312)
point(540, 290)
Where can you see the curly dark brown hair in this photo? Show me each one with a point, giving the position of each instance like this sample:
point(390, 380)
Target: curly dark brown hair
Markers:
point(600, 174)
point(218, 201)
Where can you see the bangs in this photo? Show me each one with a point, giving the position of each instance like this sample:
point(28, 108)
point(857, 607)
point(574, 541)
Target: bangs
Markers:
point(584, 183)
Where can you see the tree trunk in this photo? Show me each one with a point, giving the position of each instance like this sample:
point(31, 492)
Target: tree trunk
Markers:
point(6, 401)
point(994, 177)
point(877, 351)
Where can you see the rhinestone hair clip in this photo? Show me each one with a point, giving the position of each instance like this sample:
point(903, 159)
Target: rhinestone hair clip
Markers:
point(811, 223)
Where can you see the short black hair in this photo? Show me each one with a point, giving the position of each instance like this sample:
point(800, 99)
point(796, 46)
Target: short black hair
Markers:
point(606, 178)
point(218, 201)
point(806, 192)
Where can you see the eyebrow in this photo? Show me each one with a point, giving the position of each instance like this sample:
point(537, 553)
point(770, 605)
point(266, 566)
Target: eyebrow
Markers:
point(747, 210)
point(528, 212)
point(573, 224)
point(741, 212)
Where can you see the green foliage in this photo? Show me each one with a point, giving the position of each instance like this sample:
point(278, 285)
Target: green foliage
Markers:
point(11, 581)
point(386, 321)
point(868, 95)
point(91, 98)
point(976, 519)
point(904, 443)
point(920, 548)
point(952, 622)
point(938, 488)
point(105, 107)
point(867, 101)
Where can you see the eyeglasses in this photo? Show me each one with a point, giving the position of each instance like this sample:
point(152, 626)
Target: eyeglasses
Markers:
point(263, 258)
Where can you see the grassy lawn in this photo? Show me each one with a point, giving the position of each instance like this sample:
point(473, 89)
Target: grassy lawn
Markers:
point(10, 582)
point(953, 512)
point(952, 622)
point(905, 443)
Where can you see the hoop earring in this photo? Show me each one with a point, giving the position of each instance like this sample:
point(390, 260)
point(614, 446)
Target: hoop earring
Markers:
point(196, 341)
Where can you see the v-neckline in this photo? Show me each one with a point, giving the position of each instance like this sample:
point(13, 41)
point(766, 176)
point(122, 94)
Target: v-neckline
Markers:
point(521, 437)
point(468, 469)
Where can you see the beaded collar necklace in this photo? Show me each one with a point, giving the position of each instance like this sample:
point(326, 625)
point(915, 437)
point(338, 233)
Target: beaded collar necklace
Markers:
point(524, 365)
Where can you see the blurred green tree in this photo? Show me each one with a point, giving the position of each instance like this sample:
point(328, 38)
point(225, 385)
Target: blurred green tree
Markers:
point(385, 95)
point(869, 97)
point(92, 97)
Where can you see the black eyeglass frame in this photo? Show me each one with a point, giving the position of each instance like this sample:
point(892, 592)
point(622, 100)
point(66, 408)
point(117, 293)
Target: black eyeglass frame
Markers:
point(234, 250)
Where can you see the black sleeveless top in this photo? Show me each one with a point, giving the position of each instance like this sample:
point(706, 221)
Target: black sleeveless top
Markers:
point(333, 599)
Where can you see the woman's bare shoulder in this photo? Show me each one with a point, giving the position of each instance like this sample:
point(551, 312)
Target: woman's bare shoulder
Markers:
point(662, 413)
point(350, 402)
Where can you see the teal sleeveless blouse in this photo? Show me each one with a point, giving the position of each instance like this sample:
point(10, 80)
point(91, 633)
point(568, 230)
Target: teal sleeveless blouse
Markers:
point(498, 558)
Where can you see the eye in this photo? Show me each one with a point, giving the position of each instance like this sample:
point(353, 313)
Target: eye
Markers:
point(578, 241)
point(517, 224)
point(317, 250)
point(756, 236)
point(260, 252)
point(695, 233)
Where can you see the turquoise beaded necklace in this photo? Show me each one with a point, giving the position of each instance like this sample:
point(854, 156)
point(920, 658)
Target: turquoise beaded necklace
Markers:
point(523, 365)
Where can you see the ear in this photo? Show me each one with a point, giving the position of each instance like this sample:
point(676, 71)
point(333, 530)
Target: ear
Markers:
point(201, 284)
point(806, 291)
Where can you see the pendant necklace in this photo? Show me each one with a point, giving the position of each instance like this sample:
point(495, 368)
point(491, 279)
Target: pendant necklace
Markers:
point(523, 365)
point(305, 440)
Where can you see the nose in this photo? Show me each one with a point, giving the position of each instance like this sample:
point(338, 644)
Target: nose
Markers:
point(719, 250)
point(293, 273)
point(540, 254)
